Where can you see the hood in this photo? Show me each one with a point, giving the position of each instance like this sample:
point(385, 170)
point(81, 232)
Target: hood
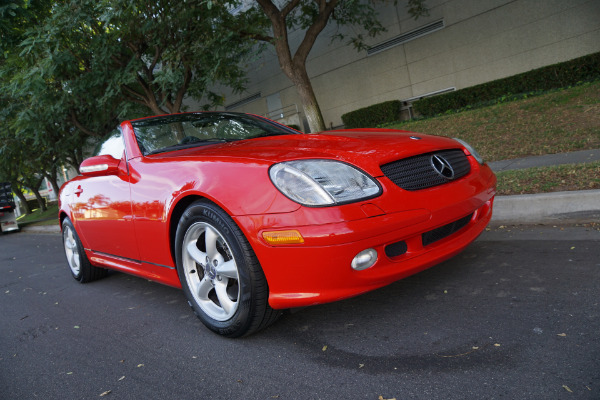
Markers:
point(364, 148)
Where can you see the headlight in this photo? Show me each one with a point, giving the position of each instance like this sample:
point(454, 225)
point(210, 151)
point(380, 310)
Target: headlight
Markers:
point(322, 182)
point(471, 150)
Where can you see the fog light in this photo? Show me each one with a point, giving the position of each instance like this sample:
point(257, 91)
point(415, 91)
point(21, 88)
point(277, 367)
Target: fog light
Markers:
point(365, 259)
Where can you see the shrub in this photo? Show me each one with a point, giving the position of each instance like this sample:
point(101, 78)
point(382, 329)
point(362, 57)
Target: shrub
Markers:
point(555, 76)
point(372, 116)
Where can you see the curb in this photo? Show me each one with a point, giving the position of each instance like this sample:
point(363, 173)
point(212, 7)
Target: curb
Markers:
point(582, 206)
point(41, 229)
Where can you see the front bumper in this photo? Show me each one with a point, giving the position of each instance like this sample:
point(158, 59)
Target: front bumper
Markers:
point(8, 221)
point(319, 270)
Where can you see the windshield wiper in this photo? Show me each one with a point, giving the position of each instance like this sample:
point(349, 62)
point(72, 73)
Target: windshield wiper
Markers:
point(195, 143)
point(267, 134)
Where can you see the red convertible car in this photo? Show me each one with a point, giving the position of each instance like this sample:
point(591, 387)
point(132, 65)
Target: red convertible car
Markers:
point(250, 217)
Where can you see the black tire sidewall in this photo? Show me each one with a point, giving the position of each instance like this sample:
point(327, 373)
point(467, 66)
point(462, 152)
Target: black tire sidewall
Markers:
point(203, 211)
point(67, 224)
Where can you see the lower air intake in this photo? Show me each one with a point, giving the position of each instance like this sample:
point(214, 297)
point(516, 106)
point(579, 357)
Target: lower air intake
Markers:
point(445, 231)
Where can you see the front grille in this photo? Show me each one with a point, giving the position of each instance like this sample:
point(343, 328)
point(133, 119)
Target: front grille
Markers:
point(418, 172)
point(445, 231)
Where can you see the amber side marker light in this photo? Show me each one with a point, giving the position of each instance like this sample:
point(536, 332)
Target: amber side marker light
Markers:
point(283, 237)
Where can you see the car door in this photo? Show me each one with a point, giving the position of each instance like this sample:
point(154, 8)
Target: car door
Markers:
point(102, 206)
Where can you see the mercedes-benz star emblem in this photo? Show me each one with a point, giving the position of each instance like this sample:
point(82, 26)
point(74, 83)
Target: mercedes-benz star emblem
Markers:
point(442, 166)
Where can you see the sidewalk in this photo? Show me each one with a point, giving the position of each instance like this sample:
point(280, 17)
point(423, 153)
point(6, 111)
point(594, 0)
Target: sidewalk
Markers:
point(576, 157)
point(544, 208)
point(556, 207)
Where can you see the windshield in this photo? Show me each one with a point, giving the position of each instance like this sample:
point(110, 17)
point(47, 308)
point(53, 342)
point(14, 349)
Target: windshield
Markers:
point(173, 132)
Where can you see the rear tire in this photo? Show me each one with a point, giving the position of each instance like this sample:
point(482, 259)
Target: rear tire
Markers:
point(81, 268)
point(220, 274)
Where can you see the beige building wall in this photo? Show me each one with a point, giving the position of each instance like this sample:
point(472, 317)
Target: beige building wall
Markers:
point(481, 40)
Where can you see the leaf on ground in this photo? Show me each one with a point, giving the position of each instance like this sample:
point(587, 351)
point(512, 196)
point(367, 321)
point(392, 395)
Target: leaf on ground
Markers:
point(381, 398)
point(497, 345)
point(567, 389)
point(105, 393)
point(121, 378)
point(140, 365)
point(324, 348)
point(562, 334)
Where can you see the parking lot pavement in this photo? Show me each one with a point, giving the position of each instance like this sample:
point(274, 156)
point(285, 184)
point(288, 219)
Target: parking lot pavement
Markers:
point(516, 315)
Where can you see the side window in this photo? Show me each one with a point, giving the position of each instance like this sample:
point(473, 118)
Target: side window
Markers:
point(112, 144)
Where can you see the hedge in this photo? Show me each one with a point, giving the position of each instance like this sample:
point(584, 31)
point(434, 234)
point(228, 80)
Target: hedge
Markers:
point(372, 116)
point(555, 76)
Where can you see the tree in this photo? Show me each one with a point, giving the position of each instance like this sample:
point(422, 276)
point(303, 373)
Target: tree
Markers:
point(19, 163)
point(72, 69)
point(108, 57)
point(312, 16)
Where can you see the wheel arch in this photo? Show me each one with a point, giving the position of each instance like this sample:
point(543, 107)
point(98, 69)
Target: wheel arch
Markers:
point(61, 217)
point(177, 211)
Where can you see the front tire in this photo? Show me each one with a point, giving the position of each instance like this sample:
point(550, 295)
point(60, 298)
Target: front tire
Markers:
point(81, 268)
point(220, 274)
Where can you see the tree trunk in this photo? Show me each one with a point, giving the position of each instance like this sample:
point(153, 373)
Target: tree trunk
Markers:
point(294, 66)
point(54, 183)
point(310, 104)
point(52, 178)
point(34, 186)
point(40, 199)
point(17, 191)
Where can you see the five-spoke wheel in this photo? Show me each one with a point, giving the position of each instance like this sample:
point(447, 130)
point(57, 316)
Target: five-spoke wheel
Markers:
point(71, 250)
point(211, 271)
point(81, 268)
point(220, 273)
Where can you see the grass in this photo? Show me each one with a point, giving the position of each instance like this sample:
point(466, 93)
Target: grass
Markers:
point(557, 122)
point(48, 217)
point(550, 179)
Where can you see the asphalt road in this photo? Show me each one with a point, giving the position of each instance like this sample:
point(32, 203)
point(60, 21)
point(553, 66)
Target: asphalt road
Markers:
point(516, 315)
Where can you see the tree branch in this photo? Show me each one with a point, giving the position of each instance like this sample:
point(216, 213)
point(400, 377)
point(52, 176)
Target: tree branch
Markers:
point(157, 54)
point(325, 11)
point(257, 36)
point(183, 89)
point(80, 126)
point(289, 7)
point(132, 93)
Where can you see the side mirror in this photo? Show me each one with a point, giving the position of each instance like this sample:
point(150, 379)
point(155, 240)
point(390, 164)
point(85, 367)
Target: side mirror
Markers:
point(99, 166)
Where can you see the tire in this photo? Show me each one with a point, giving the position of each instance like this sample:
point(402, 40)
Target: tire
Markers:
point(220, 274)
point(81, 268)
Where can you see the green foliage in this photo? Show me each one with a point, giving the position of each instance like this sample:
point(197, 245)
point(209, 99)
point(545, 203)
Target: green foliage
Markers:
point(71, 70)
point(555, 76)
point(372, 116)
